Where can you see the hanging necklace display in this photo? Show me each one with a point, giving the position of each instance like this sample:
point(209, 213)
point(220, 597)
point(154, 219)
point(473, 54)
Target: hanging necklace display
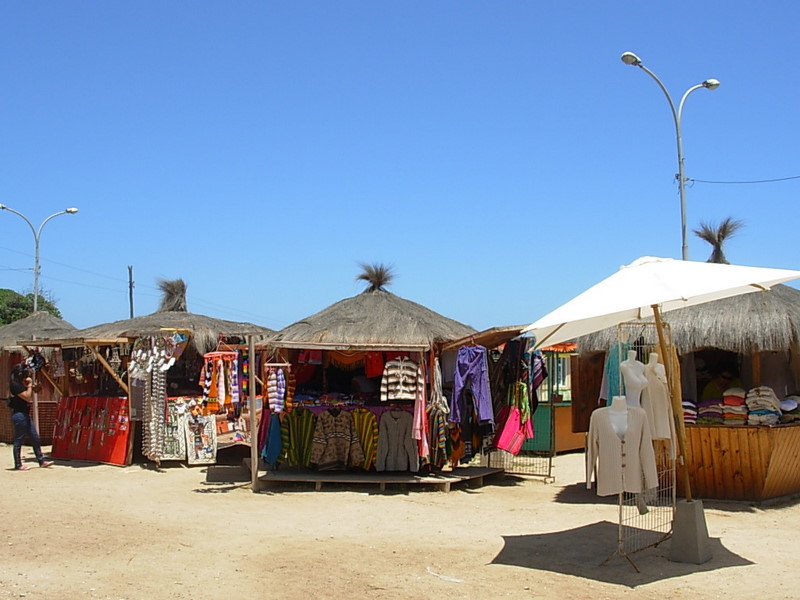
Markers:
point(114, 360)
point(151, 358)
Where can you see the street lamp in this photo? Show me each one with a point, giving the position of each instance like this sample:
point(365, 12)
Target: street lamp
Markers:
point(629, 58)
point(37, 234)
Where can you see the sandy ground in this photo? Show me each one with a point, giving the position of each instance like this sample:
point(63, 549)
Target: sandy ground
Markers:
point(96, 531)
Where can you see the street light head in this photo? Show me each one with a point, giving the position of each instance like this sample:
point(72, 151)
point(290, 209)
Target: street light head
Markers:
point(3, 207)
point(72, 211)
point(629, 58)
point(711, 84)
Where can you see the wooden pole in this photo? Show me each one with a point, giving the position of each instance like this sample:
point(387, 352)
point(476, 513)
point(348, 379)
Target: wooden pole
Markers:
point(756, 368)
point(675, 398)
point(251, 386)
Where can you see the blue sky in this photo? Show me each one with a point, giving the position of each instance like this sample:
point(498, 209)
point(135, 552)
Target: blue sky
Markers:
point(498, 155)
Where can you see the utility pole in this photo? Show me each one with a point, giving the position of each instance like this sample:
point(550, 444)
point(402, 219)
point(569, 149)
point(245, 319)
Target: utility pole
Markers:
point(130, 287)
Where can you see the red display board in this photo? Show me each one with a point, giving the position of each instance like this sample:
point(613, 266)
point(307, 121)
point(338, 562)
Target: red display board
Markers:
point(92, 428)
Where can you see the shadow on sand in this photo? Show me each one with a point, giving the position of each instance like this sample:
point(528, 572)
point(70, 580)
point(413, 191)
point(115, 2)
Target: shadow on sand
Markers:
point(580, 552)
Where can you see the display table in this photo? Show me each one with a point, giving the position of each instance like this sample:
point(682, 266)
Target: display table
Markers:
point(753, 463)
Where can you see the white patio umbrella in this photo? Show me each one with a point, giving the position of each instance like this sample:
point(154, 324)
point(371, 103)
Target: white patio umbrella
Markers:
point(646, 286)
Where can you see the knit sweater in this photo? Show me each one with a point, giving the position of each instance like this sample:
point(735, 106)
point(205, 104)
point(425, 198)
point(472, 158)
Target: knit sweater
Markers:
point(620, 465)
point(335, 444)
point(401, 380)
point(397, 450)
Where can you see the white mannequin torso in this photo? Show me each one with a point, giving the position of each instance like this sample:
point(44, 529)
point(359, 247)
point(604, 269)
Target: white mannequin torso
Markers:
point(618, 416)
point(633, 375)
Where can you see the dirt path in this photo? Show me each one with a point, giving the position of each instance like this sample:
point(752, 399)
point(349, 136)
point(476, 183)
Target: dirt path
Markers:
point(94, 531)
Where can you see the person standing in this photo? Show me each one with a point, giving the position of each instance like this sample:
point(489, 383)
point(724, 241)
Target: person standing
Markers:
point(19, 402)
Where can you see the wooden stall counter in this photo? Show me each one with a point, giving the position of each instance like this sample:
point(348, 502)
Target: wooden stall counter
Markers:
point(754, 463)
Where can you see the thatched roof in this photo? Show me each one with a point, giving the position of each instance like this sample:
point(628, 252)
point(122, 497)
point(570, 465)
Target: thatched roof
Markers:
point(41, 325)
point(760, 321)
point(205, 331)
point(374, 319)
point(172, 314)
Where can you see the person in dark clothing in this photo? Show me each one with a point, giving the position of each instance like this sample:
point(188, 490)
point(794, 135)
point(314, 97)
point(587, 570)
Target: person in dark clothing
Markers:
point(19, 402)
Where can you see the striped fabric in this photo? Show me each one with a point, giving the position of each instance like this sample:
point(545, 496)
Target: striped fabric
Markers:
point(437, 430)
point(297, 431)
point(366, 425)
point(400, 380)
point(291, 385)
point(276, 390)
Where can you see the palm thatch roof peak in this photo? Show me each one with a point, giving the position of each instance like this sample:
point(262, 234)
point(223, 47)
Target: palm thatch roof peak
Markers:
point(377, 275)
point(173, 297)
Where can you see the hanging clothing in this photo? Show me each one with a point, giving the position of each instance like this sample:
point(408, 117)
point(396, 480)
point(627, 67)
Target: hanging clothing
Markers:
point(335, 445)
point(366, 425)
point(620, 465)
point(297, 433)
point(245, 371)
point(276, 390)
point(222, 390)
point(537, 375)
point(437, 432)
point(515, 424)
point(396, 449)
point(401, 380)
point(373, 364)
point(291, 386)
point(419, 428)
point(438, 400)
point(272, 449)
point(656, 403)
point(611, 385)
point(456, 445)
point(235, 389)
point(472, 372)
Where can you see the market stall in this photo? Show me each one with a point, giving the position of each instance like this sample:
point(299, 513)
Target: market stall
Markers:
point(147, 380)
point(755, 336)
point(354, 393)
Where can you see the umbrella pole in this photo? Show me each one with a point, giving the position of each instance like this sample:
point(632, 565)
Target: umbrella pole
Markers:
point(677, 408)
point(690, 542)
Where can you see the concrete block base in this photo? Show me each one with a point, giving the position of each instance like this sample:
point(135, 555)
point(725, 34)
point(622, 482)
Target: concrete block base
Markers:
point(690, 542)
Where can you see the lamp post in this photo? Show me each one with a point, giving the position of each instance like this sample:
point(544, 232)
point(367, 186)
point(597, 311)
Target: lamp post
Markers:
point(37, 234)
point(629, 58)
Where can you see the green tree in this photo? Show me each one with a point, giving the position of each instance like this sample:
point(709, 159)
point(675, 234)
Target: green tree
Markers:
point(717, 235)
point(14, 306)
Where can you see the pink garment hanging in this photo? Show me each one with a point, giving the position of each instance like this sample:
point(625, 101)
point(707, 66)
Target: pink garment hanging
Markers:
point(512, 433)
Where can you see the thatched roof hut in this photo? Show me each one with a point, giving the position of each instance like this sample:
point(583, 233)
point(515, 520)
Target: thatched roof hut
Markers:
point(767, 321)
point(39, 325)
point(172, 314)
point(205, 331)
point(375, 319)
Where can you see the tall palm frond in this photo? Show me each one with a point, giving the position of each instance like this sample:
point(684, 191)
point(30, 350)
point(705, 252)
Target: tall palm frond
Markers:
point(377, 275)
point(717, 235)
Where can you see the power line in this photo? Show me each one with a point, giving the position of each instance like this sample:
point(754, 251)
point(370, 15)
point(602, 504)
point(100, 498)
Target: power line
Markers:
point(743, 182)
point(193, 299)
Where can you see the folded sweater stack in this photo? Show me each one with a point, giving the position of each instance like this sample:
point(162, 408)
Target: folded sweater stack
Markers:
point(734, 407)
point(763, 406)
point(689, 412)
